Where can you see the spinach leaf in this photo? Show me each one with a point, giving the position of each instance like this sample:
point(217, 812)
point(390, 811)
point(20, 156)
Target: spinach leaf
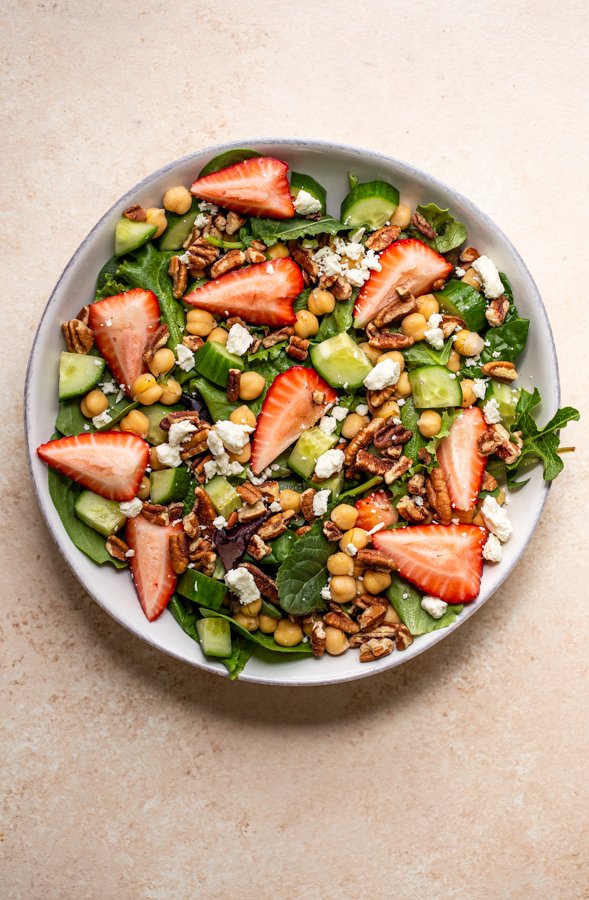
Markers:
point(423, 354)
point(185, 613)
point(339, 320)
point(301, 301)
point(214, 397)
point(228, 158)
point(540, 444)
point(256, 637)
point(451, 233)
point(406, 601)
point(409, 418)
point(281, 547)
point(147, 268)
point(508, 291)
point(70, 420)
point(508, 340)
point(270, 231)
point(303, 574)
point(64, 493)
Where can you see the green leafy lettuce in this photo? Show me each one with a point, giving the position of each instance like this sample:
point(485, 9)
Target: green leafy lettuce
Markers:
point(450, 233)
point(540, 444)
point(303, 574)
point(406, 601)
point(270, 231)
point(147, 268)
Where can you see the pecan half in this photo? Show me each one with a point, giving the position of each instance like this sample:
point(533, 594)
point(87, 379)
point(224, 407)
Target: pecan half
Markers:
point(84, 315)
point(307, 504)
point(375, 560)
point(193, 342)
point(178, 272)
point(233, 223)
point(376, 399)
point(78, 337)
point(176, 511)
point(500, 370)
point(249, 493)
point(156, 514)
point(450, 324)
point(424, 456)
point(249, 513)
point(275, 525)
point(156, 340)
point(507, 447)
point(298, 348)
point(181, 415)
point(387, 340)
point(178, 550)
point(253, 255)
point(203, 556)
point(258, 548)
point(489, 482)
point(276, 337)
point(372, 616)
point(270, 490)
point(404, 637)
point(469, 254)
point(416, 485)
point(117, 548)
point(363, 439)
point(392, 435)
point(305, 260)
point(199, 520)
point(397, 309)
point(331, 531)
point(422, 225)
point(496, 311)
point(265, 584)
point(232, 260)
point(317, 639)
point(375, 648)
point(388, 469)
point(438, 496)
point(412, 511)
point(233, 382)
point(383, 631)
point(341, 621)
point(200, 255)
point(380, 240)
point(135, 213)
point(195, 443)
point(341, 288)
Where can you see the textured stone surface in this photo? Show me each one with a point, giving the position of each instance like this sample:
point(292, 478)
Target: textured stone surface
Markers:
point(127, 774)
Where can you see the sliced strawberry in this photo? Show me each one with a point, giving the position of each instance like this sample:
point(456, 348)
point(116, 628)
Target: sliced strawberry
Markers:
point(288, 410)
point(375, 509)
point(153, 575)
point(445, 561)
point(254, 187)
point(408, 261)
point(262, 294)
point(121, 325)
point(460, 461)
point(110, 463)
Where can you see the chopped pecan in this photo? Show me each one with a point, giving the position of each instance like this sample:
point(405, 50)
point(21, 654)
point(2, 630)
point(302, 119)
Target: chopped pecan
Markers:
point(317, 639)
point(84, 315)
point(220, 222)
point(258, 548)
point(232, 260)
point(193, 342)
point(341, 288)
point(383, 631)
point(497, 310)
point(303, 529)
point(450, 324)
point(156, 513)
point(270, 490)
point(117, 548)
point(395, 310)
point(469, 254)
point(500, 370)
point(424, 456)
point(212, 231)
point(375, 560)
point(200, 255)
point(390, 470)
point(249, 493)
point(318, 398)
point(412, 511)
point(178, 549)
point(276, 337)
point(392, 435)
point(78, 337)
point(176, 511)
point(233, 223)
point(265, 584)
point(404, 638)
point(363, 439)
point(489, 482)
point(422, 225)
point(195, 443)
point(232, 520)
point(438, 496)
point(375, 648)
point(192, 237)
point(331, 531)
point(363, 601)
point(256, 252)
point(201, 553)
point(307, 504)
point(156, 340)
point(372, 616)
point(298, 348)
point(488, 442)
point(178, 272)
point(249, 513)
point(507, 447)
point(389, 340)
point(305, 260)
point(416, 485)
point(340, 620)
point(181, 415)
point(438, 284)
point(199, 520)
point(275, 525)
point(233, 381)
point(135, 213)
point(380, 240)
point(376, 399)
point(198, 467)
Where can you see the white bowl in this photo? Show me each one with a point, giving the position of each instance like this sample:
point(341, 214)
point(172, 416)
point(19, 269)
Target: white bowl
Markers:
point(329, 164)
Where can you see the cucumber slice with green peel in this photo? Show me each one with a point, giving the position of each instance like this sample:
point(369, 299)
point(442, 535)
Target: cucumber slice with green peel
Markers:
point(299, 182)
point(370, 204)
point(202, 589)
point(341, 361)
point(78, 374)
point(308, 449)
point(169, 485)
point(178, 229)
point(223, 495)
point(213, 360)
point(214, 636)
point(460, 299)
point(229, 158)
point(334, 484)
point(506, 397)
point(434, 387)
point(155, 413)
point(103, 515)
point(131, 235)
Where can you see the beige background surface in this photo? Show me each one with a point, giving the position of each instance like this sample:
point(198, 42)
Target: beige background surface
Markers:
point(129, 775)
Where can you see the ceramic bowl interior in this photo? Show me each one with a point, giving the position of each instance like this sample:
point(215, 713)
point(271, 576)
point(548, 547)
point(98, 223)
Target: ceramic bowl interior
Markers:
point(329, 164)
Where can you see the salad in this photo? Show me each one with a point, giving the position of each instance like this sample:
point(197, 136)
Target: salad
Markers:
point(299, 432)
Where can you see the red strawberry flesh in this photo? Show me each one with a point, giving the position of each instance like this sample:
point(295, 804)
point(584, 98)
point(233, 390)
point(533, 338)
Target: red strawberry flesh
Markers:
point(460, 461)
point(151, 569)
point(254, 187)
point(375, 509)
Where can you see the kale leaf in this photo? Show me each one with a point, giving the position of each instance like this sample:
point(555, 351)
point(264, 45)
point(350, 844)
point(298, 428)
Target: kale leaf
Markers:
point(539, 444)
point(270, 231)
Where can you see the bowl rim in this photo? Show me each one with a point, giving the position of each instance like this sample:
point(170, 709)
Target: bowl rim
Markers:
point(325, 147)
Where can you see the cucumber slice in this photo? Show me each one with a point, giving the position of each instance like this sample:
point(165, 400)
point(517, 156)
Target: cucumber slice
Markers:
point(229, 158)
point(169, 485)
point(306, 183)
point(340, 361)
point(78, 374)
point(460, 299)
point(214, 636)
point(130, 235)
point(506, 398)
point(202, 589)
point(370, 204)
point(155, 414)
point(103, 515)
point(434, 387)
point(223, 495)
point(308, 449)
point(213, 360)
point(333, 484)
point(178, 229)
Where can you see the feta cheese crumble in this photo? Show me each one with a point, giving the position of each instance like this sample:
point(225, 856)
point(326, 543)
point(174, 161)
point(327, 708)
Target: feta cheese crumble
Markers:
point(362, 409)
point(306, 204)
point(339, 413)
point(131, 508)
point(220, 522)
point(351, 549)
point(491, 412)
point(326, 592)
point(239, 340)
point(489, 275)
point(129, 553)
point(108, 387)
point(329, 463)
point(241, 583)
point(184, 358)
point(434, 606)
point(179, 431)
point(320, 501)
point(385, 373)
point(479, 387)
point(435, 337)
point(102, 419)
point(233, 435)
point(168, 456)
point(459, 272)
point(275, 507)
point(492, 550)
point(496, 519)
point(328, 424)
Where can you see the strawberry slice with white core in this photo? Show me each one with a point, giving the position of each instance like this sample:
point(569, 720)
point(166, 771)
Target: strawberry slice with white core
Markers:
point(262, 294)
point(151, 569)
point(405, 262)
point(460, 461)
point(254, 187)
point(445, 561)
point(122, 325)
point(110, 463)
point(287, 411)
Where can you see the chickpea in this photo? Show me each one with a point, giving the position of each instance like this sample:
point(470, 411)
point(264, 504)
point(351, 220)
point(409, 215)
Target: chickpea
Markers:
point(468, 343)
point(253, 608)
point(343, 588)
point(154, 461)
point(470, 277)
point(144, 488)
point(353, 424)
point(454, 361)
point(243, 416)
point(321, 302)
point(93, 404)
point(306, 324)
point(401, 216)
point(243, 456)
point(344, 516)
point(219, 335)
point(414, 325)
point(427, 305)
point(171, 393)
point(396, 356)
point(163, 360)
point(143, 383)
point(391, 617)
point(151, 395)
point(251, 385)
point(278, 251)
point(376, 582)
point(250, 623)
point(288, 633)
point(403, 388)
point(340, 564)
point(358, 537)
point(135, 422)
point(390, 408)
point(372, 353)
point(290, 500)
point(468, 394)
point(177, 200)
point(200, 322)
point(478, 520)
point(429, 423)
point(155, 216)
point(336, 641)
point(267, 624)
